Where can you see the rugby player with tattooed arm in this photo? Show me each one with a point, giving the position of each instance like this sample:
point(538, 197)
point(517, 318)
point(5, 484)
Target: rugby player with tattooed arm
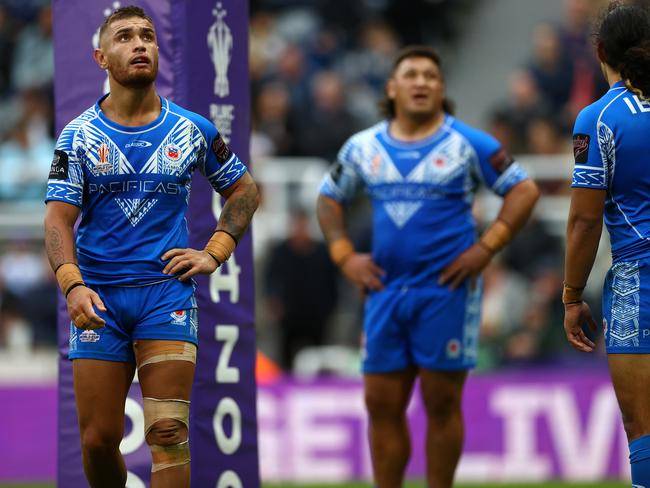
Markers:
point(125, 167)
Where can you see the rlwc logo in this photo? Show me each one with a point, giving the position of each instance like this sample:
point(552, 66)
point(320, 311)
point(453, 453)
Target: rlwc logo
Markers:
point(103, 152)
point(220, 45)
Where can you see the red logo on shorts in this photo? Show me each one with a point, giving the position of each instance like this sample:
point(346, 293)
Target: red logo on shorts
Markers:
point(453, 348)
point(178, 317)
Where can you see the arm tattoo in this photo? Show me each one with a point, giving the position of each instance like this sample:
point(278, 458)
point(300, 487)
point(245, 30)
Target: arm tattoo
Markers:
point(54, 247)
point(238, 210)
point(331, 218)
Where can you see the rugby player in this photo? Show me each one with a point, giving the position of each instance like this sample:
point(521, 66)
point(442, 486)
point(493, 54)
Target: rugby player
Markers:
point(611, 180)
point(125, 167)
point(421, 168)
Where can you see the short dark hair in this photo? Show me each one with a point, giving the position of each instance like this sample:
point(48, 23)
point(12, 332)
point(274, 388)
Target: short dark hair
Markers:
point(623, 38)
point(386, 105)
point(123, 13)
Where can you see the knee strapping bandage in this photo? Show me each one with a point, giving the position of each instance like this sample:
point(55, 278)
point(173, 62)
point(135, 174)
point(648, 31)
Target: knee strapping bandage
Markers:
point(155, 410)
point(149, 352)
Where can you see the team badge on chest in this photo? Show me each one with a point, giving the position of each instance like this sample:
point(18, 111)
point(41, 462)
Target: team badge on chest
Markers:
point(439, 162)
point(172, 153)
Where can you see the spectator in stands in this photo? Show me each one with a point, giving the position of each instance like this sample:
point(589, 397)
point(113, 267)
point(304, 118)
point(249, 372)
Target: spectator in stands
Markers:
point(33, 64)
point(325, 123)
point(550, 68)
point(271, 117)
point(301, 289)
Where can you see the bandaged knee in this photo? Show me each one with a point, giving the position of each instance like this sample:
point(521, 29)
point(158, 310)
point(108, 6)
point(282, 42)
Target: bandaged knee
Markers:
point(155, 410)
point(150, 352)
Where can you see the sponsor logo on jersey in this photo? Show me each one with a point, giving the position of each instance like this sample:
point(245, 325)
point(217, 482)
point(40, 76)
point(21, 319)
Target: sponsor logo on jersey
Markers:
point(501, 160)
point(581, 148)
point(146, 186)
point(438, 162)
point(59, 167)
point(179, 317)
point(89, 336)
point(103, 166)
point(139, 144)
point(221, 149)
point(453, 348)
point(172, 152)
point(409, 155)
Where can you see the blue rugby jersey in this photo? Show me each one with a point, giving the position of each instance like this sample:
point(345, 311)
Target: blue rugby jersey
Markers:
point(610, 145)
point(421, 193)
point(133, 187)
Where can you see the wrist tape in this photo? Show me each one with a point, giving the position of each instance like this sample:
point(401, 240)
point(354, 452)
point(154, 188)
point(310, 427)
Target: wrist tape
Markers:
point(571, 294)
point(68, 277)
point(496, 236)
point(220, 246)
point(340, 250)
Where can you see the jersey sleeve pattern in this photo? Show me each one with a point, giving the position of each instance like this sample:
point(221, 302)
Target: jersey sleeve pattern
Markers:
point(495, 167)
point(220, 165)
point(342, 180)
point(66, 179)
point(593, 147)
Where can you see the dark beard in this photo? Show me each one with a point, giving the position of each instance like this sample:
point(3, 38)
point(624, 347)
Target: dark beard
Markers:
point(141, 80)
point(138, 80)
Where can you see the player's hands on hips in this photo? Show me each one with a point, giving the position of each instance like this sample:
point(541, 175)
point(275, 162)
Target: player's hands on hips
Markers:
point(468, 265)
point(363, 272)
point(189, 262)
point(81, 302)
point(575, 315)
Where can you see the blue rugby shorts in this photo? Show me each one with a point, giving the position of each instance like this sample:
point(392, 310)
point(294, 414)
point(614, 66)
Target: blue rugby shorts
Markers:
point(626, 303)
point(432, 328)
point(165, 310)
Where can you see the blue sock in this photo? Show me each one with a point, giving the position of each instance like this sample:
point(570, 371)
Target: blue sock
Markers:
point(640, 461)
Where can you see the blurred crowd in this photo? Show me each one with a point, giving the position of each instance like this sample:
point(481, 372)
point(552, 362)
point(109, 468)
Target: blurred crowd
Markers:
point(317, 72)
point(27, 289)
point(315, 83)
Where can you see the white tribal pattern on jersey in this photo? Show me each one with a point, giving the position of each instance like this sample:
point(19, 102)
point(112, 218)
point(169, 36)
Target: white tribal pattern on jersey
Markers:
point(133, 186)
point(422, 193)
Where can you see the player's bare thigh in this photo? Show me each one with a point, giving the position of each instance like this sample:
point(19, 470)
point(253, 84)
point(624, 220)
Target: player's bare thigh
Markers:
point(442, 391)
point(631, 378)
point(388, 393)
point(100, 392)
